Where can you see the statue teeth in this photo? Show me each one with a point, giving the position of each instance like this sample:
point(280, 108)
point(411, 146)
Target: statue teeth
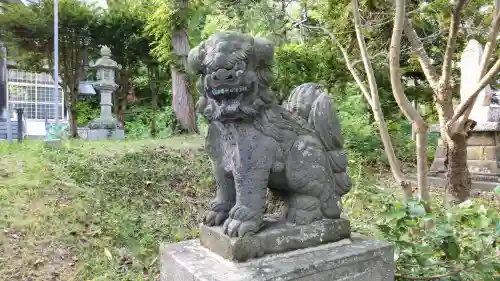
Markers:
point(232, 90)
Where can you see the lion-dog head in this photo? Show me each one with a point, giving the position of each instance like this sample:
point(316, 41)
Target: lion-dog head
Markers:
point(234, 75)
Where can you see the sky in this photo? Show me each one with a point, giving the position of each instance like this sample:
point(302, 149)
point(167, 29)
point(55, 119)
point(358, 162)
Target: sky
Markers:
point(101, 3)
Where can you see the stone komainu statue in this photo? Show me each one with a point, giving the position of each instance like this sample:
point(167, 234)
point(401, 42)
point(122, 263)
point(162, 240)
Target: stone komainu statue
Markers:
point(254, 144)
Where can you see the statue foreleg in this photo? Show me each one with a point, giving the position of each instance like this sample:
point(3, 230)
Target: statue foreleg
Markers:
point(224, 198)
point(252, 167)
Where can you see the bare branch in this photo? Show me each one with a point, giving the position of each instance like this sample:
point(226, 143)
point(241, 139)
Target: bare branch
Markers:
point(434, 36)
point(394, 54)
point(452, 42)
point(373, 56)
point(364, 52)
point(411, 113)
point(464, 107)
point(419, 51)
point(350, 66)
point(491, 44)
point(377, 112)
point(379, 117)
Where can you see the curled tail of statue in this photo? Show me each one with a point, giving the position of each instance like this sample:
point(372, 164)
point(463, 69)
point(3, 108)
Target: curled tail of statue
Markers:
point(312, 103)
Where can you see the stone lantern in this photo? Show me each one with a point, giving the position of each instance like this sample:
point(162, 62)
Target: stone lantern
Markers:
point(106, 126)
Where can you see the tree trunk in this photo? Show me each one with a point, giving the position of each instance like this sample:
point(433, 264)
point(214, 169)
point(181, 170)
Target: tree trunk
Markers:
point(419, 125)
point(374, 101)
point(121, 111)
point(458, 182)
point(458, 179)
point(455, 146)
point(120, 104)
point(115, 103)
point(73, 114)
point(155, 87)
point(182, 101)
point(154, 105)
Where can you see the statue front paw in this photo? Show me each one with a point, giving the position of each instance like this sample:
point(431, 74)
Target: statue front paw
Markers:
point(242, 221)
point(217, 214)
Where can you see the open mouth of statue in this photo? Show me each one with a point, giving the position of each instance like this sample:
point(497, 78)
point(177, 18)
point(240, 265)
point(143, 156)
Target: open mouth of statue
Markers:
point(223, 91)
point(229, 92)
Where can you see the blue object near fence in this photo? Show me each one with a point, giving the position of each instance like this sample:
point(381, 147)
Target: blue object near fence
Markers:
point(54, 131)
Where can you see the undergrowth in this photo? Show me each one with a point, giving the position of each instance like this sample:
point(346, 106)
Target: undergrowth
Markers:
point(99, 211)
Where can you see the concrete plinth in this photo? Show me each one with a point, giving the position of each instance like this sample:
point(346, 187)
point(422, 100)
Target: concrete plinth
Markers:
point(355, 259)
point(483, 156)
point(105, 134)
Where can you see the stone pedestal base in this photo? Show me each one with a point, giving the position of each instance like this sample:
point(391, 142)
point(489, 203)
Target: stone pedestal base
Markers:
point(277, 236)
point(105, 134)
point(53, 143)
point(355, 259)
point(483, 154)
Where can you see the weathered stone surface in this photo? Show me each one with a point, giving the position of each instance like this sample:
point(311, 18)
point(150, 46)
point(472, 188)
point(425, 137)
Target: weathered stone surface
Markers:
point(356, 259)
point(483, 157)
point(105, 134)
point(494, 114)
point(105, 127)
point(276, 237)
point(474, 152)
point(480, 127)
point(481, 138)
point(486, 167)
point(255, 144)
point(470, 72)
point(478, 139)
point(479, 183)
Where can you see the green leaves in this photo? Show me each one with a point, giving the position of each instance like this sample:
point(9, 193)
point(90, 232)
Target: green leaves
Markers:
point(481, 221)
point(464, 236)
point(452, 250)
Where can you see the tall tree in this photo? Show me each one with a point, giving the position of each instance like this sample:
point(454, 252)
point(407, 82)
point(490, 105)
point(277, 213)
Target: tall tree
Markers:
point(172, 47)
point(30, 30)
point(157, 82)
point(454, 123)
point(122, 30)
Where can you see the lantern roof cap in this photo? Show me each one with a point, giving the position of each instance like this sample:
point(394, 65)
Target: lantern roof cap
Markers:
point(105, 61)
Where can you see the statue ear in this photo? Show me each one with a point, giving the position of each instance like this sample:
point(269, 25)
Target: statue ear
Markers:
point(195, 59)
point(263, 51)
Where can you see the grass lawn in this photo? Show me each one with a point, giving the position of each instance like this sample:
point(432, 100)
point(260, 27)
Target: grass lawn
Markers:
point(98, 210)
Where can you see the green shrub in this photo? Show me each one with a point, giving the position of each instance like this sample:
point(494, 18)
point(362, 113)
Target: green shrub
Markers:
point(138, 122)
point(361, 133)
point(86, 112)
point(463, 245)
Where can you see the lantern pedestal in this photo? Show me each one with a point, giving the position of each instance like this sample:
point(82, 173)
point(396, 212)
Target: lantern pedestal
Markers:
point(106, 134)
